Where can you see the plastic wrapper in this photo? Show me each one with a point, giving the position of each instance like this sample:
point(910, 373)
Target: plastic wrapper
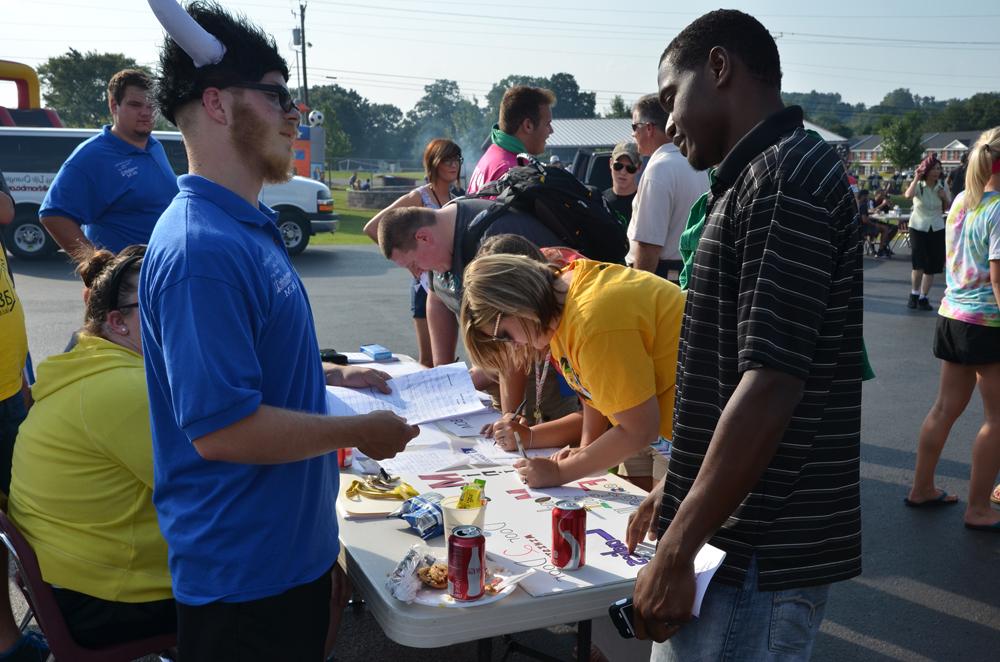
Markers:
point(423, 514)
point(403, 582)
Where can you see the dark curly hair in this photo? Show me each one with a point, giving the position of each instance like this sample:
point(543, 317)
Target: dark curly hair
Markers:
point(108, 277)
point(740, 34)
point(250, 53)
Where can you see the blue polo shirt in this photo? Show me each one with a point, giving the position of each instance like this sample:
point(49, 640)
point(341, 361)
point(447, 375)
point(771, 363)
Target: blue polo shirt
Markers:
point(226, 328)
point(113, 189)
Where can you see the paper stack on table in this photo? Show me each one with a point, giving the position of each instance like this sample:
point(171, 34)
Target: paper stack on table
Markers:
point(419, 397)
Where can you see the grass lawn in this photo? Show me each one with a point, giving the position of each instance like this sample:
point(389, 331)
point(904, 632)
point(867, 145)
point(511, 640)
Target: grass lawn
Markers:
point(351, 223)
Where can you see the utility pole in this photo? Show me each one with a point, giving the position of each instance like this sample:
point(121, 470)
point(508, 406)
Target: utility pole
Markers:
point(305, 45)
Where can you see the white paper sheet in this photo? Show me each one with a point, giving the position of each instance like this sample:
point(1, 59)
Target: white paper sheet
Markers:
point(427, 395)
point(469, 426)
point(499, 456)
point(421, 462)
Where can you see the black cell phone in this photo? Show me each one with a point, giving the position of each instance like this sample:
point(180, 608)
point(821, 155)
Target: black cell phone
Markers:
point(332, 356)
point(621, 616)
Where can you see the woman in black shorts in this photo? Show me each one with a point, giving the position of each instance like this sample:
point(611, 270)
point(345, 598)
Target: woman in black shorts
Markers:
point(968, 340)
point(930, 199)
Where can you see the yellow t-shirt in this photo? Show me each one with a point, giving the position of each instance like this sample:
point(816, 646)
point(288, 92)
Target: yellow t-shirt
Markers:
point(82, 479)
point(14, 343)
point(616, 343)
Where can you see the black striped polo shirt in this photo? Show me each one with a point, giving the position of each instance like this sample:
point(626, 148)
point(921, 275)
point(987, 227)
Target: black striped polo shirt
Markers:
point(777, 283)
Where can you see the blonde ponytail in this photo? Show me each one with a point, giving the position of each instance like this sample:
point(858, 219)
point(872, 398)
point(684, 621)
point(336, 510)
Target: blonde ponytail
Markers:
point(980, 168)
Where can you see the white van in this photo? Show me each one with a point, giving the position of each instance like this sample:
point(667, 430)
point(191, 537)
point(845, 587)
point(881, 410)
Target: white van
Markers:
point(31, 157)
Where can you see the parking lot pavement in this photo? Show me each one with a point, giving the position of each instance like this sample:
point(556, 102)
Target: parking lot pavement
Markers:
point(929, 590)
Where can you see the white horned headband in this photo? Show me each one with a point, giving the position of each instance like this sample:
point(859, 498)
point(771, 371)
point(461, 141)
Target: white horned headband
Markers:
point(203, 48)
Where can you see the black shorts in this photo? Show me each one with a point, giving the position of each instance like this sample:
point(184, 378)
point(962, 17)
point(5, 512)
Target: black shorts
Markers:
point(289, 626)
point(96, 623)
point(968, 344)
point(927, 251)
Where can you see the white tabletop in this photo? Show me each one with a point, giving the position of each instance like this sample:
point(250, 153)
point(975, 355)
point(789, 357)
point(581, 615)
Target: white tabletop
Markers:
point(373, 547)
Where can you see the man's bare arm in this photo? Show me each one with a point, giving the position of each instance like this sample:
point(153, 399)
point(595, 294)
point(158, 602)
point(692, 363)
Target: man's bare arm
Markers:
point(443, 327)
point(272, 435)
point(68, 235)
point(647, 257)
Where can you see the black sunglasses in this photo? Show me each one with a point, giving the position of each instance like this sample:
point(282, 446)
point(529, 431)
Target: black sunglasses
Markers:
point(635, 127)
point(629, 168)
point(281, 92)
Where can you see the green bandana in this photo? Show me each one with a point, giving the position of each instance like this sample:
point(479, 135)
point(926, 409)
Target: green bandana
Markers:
point(689, 246)
point(507, 141)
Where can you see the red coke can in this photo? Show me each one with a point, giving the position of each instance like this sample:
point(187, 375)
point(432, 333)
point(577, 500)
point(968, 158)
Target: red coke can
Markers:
point(569, 535)
point(345, 456)
point(466, 563)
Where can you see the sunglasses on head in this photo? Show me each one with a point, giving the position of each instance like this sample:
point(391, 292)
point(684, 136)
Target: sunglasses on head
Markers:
point(630, 169)
point(280, 92)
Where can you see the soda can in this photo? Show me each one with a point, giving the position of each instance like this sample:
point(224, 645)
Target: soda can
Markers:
point(466, 563)
point(345, 457)
point(569, 535)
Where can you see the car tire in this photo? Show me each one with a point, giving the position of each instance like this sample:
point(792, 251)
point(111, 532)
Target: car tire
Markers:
point(295, 231)
point(26, 237)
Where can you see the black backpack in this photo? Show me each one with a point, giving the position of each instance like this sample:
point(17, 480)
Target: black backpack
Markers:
point(578, 216)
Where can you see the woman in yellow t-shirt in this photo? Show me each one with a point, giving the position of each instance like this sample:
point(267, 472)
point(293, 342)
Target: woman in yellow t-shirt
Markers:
point(82, 479)
point(612, 331)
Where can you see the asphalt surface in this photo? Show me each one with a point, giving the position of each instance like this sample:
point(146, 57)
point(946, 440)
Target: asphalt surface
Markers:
point(930, 589)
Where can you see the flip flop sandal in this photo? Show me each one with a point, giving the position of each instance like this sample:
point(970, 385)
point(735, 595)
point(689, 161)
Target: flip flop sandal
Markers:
point(940, 500)
point(993, 528)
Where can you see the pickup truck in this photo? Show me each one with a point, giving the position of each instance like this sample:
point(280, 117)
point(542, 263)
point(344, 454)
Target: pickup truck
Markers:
point(33, 156)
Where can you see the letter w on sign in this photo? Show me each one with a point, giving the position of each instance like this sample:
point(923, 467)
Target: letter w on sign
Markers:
point(438, 481)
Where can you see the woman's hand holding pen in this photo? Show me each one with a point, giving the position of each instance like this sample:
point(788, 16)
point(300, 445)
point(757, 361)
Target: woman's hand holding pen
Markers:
point(503, 431)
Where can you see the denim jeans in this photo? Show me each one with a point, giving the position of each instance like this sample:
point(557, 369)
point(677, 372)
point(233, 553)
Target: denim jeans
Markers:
point(12, 412)
point(748, 625)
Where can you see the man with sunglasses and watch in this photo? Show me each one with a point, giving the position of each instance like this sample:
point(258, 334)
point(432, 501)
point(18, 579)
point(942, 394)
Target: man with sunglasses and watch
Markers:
point(625, 163)
point(245, 474)
point(668, 188)
point(113, 187)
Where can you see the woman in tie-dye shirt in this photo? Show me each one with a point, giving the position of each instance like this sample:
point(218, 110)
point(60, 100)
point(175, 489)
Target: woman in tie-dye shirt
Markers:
point(968, 339)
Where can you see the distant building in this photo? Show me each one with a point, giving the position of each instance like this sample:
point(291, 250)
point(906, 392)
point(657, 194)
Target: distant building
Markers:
point(867, 155)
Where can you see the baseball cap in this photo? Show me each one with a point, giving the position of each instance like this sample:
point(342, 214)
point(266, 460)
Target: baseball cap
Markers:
point(629, 149)
point(554, 160)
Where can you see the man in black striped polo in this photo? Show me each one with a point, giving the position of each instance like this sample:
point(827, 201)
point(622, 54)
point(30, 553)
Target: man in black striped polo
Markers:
point(765, 461)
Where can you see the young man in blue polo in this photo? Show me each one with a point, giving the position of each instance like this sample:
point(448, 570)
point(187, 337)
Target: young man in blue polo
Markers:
point(245, 477)
point(114, 186)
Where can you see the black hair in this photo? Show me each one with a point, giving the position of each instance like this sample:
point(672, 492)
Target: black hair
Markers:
point(740, 34)
point(250, 53)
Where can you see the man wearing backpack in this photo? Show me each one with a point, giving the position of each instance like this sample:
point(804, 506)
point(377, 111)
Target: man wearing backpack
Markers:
point(441, 242)
point(525, 124)
point(668, 188)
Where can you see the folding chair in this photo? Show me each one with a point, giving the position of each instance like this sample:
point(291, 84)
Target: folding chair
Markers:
point(43, 608)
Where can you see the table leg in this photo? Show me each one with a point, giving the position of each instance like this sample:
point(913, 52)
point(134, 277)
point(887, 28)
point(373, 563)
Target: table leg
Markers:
point(485, 650)
point(583, 641)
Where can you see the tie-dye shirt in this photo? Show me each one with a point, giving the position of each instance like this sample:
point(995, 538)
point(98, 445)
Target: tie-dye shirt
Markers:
point(973, 239)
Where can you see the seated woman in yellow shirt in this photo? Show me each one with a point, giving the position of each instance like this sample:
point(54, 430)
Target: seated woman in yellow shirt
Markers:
point(82, 483)
point(612, 331)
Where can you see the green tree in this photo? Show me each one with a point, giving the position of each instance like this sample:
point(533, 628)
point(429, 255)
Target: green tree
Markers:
point(495, 95)
point(570, 101)
point(338, 143)
point(901, 141)
point(372, 130)
point(76, 85)
point(979, 111)
point(618, 108)
point(444, 113)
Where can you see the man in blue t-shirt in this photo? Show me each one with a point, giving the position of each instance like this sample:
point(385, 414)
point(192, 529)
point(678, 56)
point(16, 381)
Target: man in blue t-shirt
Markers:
point(113, 187)
point(244, 474)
